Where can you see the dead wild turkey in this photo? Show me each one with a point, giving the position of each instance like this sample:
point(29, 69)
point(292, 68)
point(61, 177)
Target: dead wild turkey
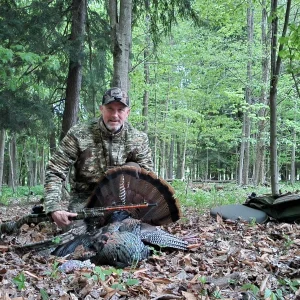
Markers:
point(122, 238)
point(122, 242)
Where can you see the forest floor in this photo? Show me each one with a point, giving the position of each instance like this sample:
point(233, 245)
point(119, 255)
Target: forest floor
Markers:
point(228, 260)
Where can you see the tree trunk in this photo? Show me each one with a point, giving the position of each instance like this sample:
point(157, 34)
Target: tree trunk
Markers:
point(120, 21)
point(179, 161)
point(184, 151)
point(259, 175)
point(146, 93)
point(2, 149)
point(70, 116)
point(28, 162)
point(246, 164)
point(12, 163)
point(275, 70)
point(207, 165)
point(14, 160)
point(92, 89)
point(163, 154)
point(171, 159)
point(242, 154)
point(35, 165)
point(293, 156)
point(245, 157)
point(146, 73)
point(42, 166)
point(293, 159)
point(155, 142)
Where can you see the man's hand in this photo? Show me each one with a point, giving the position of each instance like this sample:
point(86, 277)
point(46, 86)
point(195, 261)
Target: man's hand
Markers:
point(62, 218)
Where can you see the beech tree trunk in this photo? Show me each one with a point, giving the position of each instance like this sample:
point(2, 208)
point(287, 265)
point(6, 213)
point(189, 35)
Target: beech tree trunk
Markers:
point(184, 155)
point(2, 148)
point(146, 73)
point(293, 155)
point(242, 154)
point(146, 92)
point(13, 161)
point(162, 164)
point(259, 174)
point(120, 14)
point(42, 165)
point(179, 171)
point(245, 147)
point(70, 115)
point(35, 165)
point(170, 160)
point(275, 71)
point(155, 139)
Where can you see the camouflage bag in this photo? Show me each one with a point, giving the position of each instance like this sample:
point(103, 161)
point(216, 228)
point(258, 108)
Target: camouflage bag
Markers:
point(285, 208)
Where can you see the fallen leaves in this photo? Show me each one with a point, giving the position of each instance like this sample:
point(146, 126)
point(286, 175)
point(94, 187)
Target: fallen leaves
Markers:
point(222, 259)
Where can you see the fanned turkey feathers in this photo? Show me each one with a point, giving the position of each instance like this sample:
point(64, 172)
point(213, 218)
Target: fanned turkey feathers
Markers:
point(129, 185)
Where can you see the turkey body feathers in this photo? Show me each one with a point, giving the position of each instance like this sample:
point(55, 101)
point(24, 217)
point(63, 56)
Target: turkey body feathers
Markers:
point(121, 243)
point(119, 249)
point(137, 186)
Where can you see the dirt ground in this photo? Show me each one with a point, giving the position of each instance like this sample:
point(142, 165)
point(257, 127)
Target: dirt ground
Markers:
point(226, 260)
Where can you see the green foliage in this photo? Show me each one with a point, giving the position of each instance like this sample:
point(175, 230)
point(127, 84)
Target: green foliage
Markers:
point(101, 274)
point(288, 242)
point(164, 15)
point(290, 284)
point(252, 222)
point(122, 285)
point(202, 279)
point(5, 197)
point(56, 240)
point(22, 192)
point(286, 286)
point(44, 294)
point(155, 251)
point(19, 281)
point(216, 294)
point(251, 287)
point(54, 273)
point(196, 84)
point(211, 195)
point(6, 55)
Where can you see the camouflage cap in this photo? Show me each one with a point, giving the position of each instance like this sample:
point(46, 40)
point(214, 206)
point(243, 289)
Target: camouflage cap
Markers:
point(115, 94)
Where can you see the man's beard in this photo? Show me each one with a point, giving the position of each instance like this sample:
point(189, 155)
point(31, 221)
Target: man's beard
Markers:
point(113, 129)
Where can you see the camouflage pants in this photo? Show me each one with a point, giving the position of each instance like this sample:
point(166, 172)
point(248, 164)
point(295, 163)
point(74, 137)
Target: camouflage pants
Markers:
point(77, 201)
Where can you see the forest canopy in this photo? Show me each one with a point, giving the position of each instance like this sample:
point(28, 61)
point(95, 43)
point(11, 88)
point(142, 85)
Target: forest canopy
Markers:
point(199, 82)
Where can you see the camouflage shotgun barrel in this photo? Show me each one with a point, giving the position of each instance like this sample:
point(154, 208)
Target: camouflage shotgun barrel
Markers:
point(10, 227)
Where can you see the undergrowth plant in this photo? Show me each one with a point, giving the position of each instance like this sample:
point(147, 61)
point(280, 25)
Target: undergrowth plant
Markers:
point(19, 281)
point(44, 294)
point(54, 273)
point(286, 287)
point(22, 193)
point(101, 274)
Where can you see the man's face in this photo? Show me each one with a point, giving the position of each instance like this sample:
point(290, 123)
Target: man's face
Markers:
point(114, 115)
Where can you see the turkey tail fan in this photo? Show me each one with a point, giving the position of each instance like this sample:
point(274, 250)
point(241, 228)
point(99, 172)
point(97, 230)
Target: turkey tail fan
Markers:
point(129, 185)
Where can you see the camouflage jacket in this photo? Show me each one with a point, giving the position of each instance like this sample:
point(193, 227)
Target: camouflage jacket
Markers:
point(91, 149)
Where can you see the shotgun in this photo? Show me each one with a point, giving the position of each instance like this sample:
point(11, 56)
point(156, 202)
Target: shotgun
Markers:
point(38, 215)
